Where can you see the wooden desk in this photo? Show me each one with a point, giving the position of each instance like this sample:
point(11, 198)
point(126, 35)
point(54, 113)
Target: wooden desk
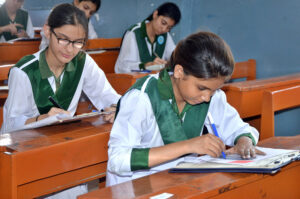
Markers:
point(246, 96)
point(44, 160)
point(12, 53)
point(284, 184)
point(122, 82)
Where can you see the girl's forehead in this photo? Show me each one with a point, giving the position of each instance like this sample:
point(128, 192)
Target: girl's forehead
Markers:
point(71, 31)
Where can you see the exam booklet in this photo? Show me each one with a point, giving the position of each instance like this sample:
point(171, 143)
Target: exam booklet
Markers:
point(269, 163)
point(57, 119)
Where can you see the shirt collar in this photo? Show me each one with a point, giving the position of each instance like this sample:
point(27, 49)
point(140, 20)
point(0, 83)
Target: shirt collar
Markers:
point(44, 68)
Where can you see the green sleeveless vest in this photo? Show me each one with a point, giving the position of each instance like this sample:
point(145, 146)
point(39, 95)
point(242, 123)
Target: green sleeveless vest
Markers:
point(21, 18)
point(141, 36)
point(42, 89)
point(171, 125)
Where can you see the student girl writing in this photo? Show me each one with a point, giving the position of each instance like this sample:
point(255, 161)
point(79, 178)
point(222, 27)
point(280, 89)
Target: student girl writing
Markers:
point(61, 71)
point(89, 7)
point(14, 21)
point(162, 117)
point(149, 42)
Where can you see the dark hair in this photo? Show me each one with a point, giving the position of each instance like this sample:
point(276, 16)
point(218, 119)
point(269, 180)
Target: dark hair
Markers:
point(168, 9)
point(67, 14)
point(203, 55)
point(96, 2)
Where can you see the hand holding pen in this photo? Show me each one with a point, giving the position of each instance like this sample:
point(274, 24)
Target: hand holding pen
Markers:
point(214, 129)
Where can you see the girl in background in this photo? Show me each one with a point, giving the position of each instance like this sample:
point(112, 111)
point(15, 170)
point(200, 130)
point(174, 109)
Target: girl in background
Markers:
point(149, 43)
point(162, 117)
point(89, 7)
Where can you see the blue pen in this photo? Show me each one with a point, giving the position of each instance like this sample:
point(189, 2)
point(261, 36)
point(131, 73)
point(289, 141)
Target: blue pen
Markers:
point(214, 129)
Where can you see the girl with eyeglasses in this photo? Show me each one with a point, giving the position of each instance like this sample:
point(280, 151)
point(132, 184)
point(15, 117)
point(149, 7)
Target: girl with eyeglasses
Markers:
point(148, 45)
point(61, 71)
point(89, 7)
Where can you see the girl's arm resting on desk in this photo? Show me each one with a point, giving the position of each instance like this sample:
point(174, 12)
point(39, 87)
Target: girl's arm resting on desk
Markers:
point(207, 144)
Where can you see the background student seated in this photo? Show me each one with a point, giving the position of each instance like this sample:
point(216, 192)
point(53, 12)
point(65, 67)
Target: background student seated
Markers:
point(163, 116)
point(89, 7)
point(14, 22)
point(149, 43)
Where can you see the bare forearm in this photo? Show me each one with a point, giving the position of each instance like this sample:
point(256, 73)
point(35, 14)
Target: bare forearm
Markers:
point(158, 155)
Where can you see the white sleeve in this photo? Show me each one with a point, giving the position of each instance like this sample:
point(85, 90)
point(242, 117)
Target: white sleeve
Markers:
point(92, 32)
point(97, 87)
point(20, 104)
point(133, 125)
point(228, 122)
point(170, 46)
point(29, 29)
point(128, 58)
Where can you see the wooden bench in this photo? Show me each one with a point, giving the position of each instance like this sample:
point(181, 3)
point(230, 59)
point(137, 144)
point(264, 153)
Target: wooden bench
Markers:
point(276, 100)
point(245, 69)
point(12, 53)
point(40, 161)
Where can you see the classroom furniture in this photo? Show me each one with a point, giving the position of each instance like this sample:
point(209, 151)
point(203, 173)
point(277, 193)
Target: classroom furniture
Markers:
point(45, 160)
point(105, 52)
point(245, 69)
point(284, 184)
point(11, 53)
point(276, 100)
point(246, 96)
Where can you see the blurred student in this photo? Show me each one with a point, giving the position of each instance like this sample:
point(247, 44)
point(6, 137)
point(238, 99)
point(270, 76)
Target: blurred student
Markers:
point(149, 43)
point(89, 7)
point(14, 21)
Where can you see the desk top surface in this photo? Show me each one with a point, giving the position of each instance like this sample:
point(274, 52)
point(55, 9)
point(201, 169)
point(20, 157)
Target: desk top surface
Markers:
point(259, 84)
point(183, 184)
point(55, 134)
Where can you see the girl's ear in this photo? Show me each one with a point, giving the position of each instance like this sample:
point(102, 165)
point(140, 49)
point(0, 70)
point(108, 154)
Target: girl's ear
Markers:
point(155, 14)
point(178, 71)
point(47, 31)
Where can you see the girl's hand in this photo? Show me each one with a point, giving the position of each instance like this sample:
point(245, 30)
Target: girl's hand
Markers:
point(54, 111)
point(244, 148)
point(159, 61)
point(22, 33)
point(207, 144)
point(110, 117)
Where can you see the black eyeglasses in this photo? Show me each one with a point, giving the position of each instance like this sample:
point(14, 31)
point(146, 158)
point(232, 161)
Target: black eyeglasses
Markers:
point(65, 42)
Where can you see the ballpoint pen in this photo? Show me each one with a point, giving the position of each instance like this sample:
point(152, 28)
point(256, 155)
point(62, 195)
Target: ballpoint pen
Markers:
point(54, 102)
point(214, 129)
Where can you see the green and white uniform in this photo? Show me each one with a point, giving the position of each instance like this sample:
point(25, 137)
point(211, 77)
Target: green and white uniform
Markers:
point(136, 49)
point(148, 117)
point(31, 82)
point(22, 17)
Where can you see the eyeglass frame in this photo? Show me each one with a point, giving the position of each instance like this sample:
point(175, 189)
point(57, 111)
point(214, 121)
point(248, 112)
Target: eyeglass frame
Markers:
point(68, 41)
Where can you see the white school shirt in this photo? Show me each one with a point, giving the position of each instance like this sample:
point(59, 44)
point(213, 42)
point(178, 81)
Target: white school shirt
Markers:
point(29, 30)
point(20, 104)
point(45, 42)
point(129, 58)
point(136, 127)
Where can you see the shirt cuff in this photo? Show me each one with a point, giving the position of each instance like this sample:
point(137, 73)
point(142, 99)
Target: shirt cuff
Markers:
point(139, 159)
point(249, 135)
